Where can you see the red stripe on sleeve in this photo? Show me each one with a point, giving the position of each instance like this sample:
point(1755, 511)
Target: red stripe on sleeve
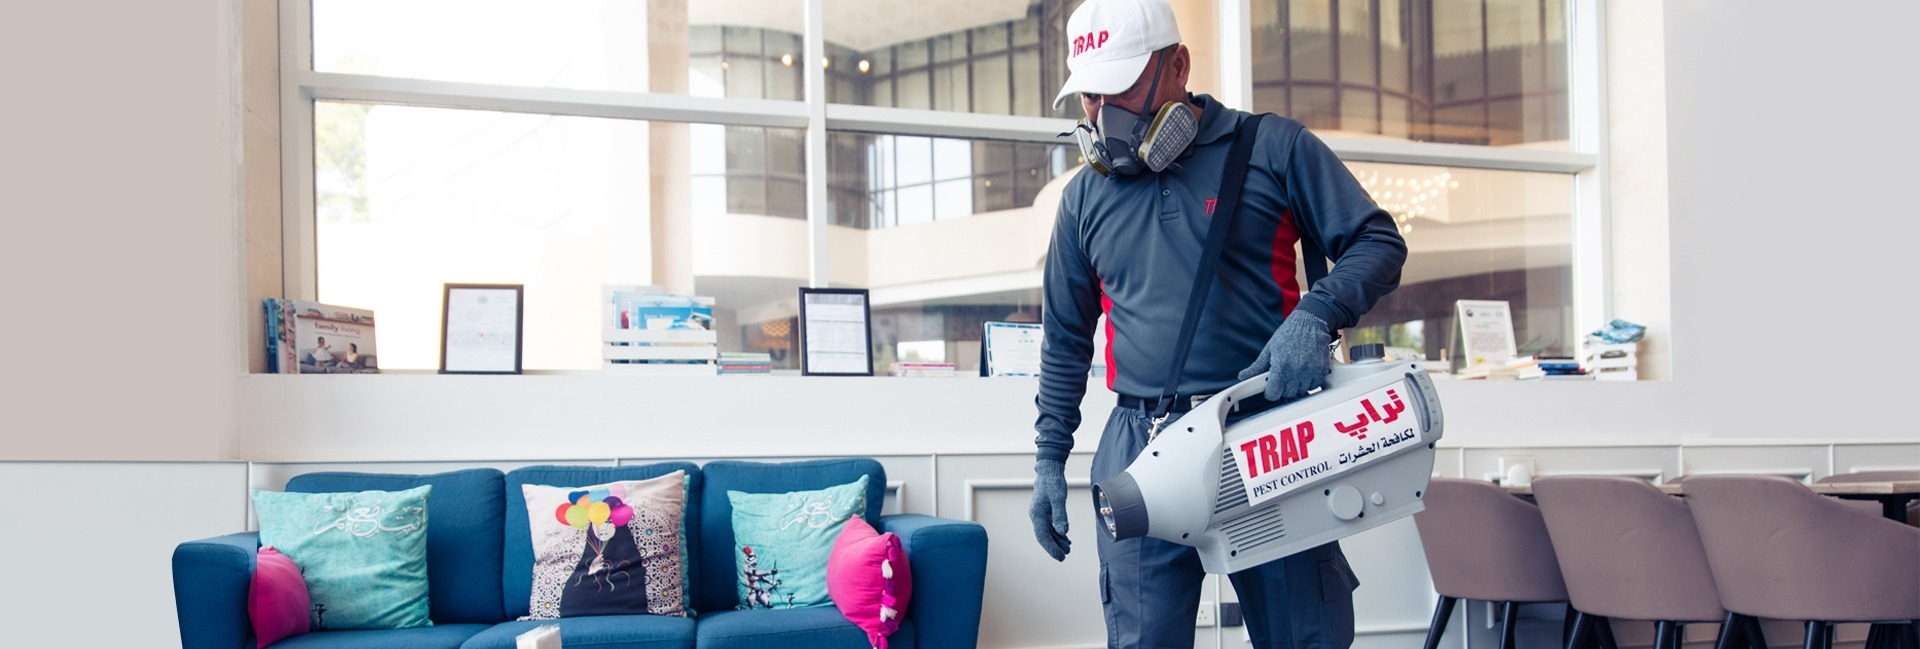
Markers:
point(1106, 308)
point(1285, 272)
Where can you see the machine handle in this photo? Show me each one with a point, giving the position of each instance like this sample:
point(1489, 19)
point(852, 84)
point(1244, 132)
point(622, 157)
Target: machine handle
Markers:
point(1222, 402)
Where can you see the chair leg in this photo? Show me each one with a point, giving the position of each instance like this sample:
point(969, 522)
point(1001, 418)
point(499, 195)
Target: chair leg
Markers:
point(1826, 636)
point(1604, 629)
point(1582, 633)
point(1442, 613)
point(1756, 636)
point(1877, 636)
point(1508, 612)
point(1566, 626)
point(1729, 632)
point(1663, 635)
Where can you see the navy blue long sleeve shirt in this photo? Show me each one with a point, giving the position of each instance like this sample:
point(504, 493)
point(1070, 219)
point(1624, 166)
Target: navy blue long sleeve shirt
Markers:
point(1128, 247)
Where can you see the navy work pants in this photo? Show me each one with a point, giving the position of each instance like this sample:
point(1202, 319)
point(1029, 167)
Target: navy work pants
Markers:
point(1150, 589)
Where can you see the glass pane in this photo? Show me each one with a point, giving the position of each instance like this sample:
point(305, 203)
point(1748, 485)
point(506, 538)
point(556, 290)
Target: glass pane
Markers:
point(916, 205)
point(990, 91)
point(1357, 43)
point(935, 272)
point(913, 159)
point(1450, 59)
point(953, 199)
point(410, 198)
point(589, 45)
point(1361, 112)
point(952, 159)
point(939, 178)
point(1475, 235)
point(961, 51)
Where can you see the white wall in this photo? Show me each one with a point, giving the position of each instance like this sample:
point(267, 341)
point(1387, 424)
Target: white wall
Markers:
point(1792, 161)
point(121, 252)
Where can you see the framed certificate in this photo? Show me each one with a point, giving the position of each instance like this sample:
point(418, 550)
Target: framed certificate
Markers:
point(480, 328)
point(835, 339)
point(1486, 331)
point(1010, 349)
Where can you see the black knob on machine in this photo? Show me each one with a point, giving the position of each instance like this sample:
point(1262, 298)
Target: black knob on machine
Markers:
point(1367, 353)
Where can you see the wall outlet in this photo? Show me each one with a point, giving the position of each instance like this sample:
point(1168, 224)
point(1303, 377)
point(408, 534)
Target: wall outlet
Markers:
point(1230, 614)
point(1207, 616)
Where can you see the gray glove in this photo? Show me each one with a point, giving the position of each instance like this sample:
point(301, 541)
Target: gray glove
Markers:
point(1049, 509)
point(1296, 357)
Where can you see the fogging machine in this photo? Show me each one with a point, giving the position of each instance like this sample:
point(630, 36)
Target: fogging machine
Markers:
point(1354, 456)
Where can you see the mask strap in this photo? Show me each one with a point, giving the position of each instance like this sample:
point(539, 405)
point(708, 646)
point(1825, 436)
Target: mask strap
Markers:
point(1147, 108)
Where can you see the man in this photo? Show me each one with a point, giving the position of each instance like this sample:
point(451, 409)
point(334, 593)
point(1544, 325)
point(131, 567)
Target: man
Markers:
point(1128, 245)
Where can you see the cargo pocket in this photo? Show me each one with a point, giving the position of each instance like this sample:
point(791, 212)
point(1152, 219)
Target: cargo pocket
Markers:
point(1336, 580)
point(1106, 589)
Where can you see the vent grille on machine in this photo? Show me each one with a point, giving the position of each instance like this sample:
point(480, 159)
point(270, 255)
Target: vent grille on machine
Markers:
point(1232, 494)
point(1254, 528)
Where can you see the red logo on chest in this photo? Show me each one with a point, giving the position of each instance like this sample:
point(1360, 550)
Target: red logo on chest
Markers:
point(1210, 203)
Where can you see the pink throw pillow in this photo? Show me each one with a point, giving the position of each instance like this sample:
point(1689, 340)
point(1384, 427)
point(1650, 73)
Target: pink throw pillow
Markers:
point(277, 602)
point(869, 579)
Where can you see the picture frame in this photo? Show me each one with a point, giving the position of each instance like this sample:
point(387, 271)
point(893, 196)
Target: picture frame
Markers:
point(1010, 348)
point(481, 328)
point(836, 332)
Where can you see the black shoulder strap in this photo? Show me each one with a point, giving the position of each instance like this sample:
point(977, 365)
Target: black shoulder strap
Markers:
point(1231, 182)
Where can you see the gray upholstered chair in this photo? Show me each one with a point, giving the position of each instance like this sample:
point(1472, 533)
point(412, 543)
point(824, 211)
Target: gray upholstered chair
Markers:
point(1484, 544)
point(1630, 552)
point(1780, 551)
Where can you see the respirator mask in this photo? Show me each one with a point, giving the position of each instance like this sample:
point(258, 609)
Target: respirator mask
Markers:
point(1121, 141)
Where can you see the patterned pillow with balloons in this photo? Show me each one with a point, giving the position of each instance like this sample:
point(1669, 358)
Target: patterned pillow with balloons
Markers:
point(612, 549)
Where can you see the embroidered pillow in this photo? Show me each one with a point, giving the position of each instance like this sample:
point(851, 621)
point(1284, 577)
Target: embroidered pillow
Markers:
point(869, 579)
point(781, 543)
point(611, 549)
point(277, 600)
point(364, 554)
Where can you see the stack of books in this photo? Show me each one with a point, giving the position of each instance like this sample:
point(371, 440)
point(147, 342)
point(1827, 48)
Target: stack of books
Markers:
point(917, 369)
point(306, 337)
point(1563, 368)
point(1612, 361)
point(1523, 368)
point(746, 363)
point(654, 333)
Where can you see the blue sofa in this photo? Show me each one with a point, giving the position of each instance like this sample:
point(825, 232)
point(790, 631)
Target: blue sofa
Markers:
point(480, 567)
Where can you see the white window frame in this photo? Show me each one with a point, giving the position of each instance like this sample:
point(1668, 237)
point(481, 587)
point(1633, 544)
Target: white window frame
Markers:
point(301, 86)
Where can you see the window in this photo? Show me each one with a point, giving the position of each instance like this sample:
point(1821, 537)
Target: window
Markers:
point(1479, 72)
point(671, 143)
point(1488, 72)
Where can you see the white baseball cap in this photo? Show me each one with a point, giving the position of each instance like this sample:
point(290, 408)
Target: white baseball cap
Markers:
point(1110, 41)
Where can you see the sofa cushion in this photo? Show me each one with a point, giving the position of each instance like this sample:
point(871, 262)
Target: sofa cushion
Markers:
point(597, 632)
point(277, 602)
point(713, 571)
point(363, 553)
point(517, 559)
point(442, 636)
point(466, 509)
point(797, 628)
point(870, 580)
point(611, 549)
point(782, 541)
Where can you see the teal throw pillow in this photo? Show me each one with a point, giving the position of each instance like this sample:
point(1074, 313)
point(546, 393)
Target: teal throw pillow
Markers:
point(364, 554)
point(781, 543)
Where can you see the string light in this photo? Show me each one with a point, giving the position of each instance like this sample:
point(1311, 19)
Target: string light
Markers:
point(786, 60)
point(1428, 195)
point(864, 66)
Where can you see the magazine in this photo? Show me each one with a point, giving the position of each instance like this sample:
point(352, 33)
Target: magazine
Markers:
point(312, 338)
